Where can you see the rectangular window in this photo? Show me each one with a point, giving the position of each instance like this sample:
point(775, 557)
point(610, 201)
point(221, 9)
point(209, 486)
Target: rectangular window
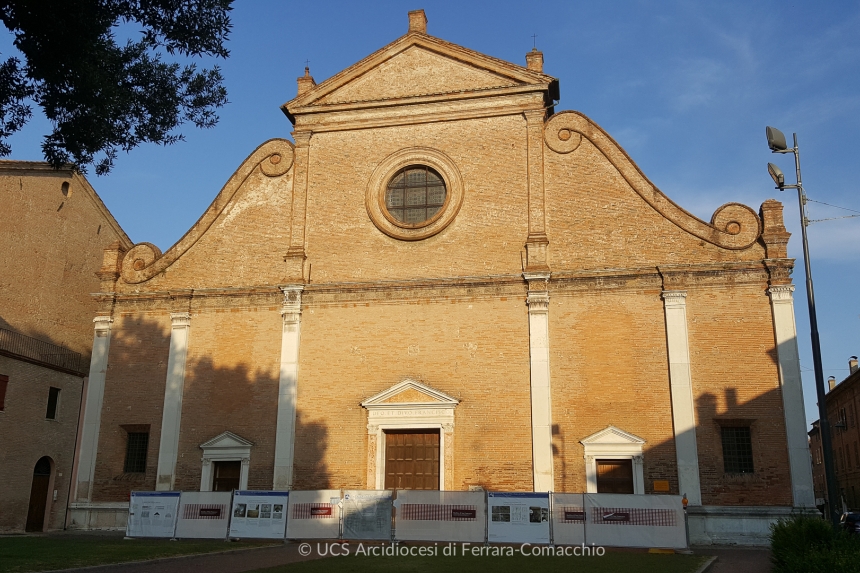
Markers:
point(737, 450)
point(4, 381)
point(135, 452)
point(53, 403)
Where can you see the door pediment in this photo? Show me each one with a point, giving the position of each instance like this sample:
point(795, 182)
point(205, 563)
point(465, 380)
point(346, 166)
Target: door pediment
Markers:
point(410, 394)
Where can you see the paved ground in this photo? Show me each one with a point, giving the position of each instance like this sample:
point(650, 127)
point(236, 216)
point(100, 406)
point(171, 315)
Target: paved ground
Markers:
point(729, 560)
point(738, 559)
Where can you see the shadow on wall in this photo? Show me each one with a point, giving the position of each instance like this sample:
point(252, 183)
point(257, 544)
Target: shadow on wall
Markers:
point(84, 361)
point(241, 398)
point(768, 482)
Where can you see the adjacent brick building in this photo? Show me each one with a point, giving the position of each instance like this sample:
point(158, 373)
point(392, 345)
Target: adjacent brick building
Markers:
point(444, 283)
point(53, 231)
point(843, 406)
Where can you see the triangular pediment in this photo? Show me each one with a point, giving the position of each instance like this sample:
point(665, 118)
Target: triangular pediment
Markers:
point(417, 65)
point(612, 435)
point(411, 393)
point(226, 440)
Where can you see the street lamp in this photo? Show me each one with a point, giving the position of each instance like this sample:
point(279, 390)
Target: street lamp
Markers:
point(776, 142)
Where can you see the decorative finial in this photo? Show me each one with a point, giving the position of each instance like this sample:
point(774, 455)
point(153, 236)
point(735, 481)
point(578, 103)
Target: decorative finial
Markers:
point(534, 42)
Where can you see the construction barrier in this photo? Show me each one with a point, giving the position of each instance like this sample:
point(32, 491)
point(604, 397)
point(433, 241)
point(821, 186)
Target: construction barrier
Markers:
point(518, 517)
point(259, 514)
point(440, 516)
point(568, 519)
point(152, 513)
point(619, 520)
point(203, 514)
point(367, 514)
point(314, 514)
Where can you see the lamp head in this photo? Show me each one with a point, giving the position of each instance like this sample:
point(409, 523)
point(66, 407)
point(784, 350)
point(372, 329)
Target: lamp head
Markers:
point(777, 175)
point(775, 139)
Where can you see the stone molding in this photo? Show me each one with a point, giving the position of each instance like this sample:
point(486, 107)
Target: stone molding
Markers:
point(733, 226)
point(374, 198)
point(781, 293)
point(144, 260)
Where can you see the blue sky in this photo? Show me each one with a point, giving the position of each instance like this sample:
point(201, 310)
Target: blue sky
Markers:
point(686, 88)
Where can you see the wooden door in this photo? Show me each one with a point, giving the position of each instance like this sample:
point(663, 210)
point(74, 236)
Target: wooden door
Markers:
point(614, 476)
point(39, 495)
point(227, 476)
point(412, 459)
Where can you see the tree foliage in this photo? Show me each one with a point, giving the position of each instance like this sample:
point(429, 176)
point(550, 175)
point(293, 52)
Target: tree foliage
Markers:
point(103, 95)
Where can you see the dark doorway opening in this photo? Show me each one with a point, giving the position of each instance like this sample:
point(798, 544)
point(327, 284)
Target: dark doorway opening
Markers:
point(227, 476)
point(412, 459)
point(614, 476)
point(39, 495)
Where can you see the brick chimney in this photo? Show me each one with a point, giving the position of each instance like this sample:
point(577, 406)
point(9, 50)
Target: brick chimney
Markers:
point(306, 82)
point(534, 60)
point(852, 364)
point(417, 22)
point(831, 382)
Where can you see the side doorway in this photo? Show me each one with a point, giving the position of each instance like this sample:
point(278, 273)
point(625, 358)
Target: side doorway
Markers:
point(39, 495)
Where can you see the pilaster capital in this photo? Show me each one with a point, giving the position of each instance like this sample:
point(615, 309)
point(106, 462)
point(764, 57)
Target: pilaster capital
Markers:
point(638, 460)
point(538, 302)
point(180, 319)
point(207, 462)
point(674, 298)
point(448, 428)
point(372, 429)
point(246, 461)
point(589, 459)
point(538, 280)
point(302, 138)
point(291, 309)
point(535, 116)
point(102, 325)
point(781, 293)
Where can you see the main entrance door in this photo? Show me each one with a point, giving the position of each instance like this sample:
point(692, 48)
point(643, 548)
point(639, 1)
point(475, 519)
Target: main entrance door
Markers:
point(614, 476)
point(412, 459)
point(39, 495)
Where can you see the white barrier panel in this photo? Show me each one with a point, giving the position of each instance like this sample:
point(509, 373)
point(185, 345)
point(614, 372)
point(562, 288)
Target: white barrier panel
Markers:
point(440, 516)
point(366, 514)
point(625, 520)
point(152, 513)
point(314, 514)
point(259, 514)
point(518, 517)
point(203, 514)
point(568, 519)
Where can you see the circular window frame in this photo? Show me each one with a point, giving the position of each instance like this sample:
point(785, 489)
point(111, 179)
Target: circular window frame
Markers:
point(388, 168)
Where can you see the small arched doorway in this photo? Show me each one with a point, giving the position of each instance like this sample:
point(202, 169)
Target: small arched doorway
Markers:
point(39, 494)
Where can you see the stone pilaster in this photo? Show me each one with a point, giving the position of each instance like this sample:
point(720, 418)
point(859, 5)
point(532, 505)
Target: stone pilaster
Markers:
point(285, 434)
point(168, 447)
point(681, 385)
point(93, 409)
point(785, 335)
point(538, 303)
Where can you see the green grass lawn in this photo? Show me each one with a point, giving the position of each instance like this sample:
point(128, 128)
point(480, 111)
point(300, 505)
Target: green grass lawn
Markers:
point(26, 553)
point(611, 562)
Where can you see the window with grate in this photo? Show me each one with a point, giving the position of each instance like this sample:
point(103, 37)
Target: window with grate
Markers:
point(737, 450)
point(53, 403)
point(415, 195)
point(135, 452)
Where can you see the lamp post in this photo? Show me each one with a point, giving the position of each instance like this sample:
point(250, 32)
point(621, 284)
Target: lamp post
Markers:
point(776, 142)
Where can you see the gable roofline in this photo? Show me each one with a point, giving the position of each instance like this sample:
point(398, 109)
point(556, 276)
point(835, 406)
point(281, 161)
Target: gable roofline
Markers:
point(624, 437)
point(238, 440)
point(436, 398)
point(490, 64)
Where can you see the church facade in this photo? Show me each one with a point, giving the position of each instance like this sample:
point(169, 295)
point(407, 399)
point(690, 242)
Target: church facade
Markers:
point(446, 284)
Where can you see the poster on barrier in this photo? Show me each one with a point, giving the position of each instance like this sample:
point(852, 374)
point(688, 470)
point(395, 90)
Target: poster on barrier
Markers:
point(518, 517)
point(314, 514)
point(367, 514)
point(627, 520)
point(568, 519)
point(440, 515)
point(259, 514)
point(203, 514)
point(152, 513)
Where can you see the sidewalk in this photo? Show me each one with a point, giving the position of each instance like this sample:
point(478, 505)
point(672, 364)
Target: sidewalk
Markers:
point(729, 560)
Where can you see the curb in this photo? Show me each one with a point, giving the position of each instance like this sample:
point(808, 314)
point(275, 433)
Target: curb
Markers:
point(159, 559)
point(706, 565)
